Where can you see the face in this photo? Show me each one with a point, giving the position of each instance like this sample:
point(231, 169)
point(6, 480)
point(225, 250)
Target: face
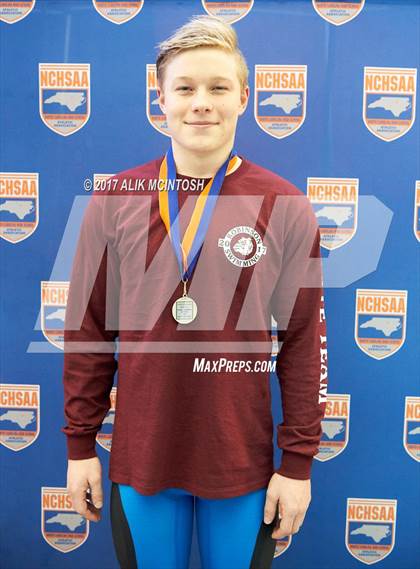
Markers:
point(202, 99)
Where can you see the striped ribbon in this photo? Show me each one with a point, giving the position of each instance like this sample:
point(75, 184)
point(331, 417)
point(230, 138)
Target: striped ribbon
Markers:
point(187, 251)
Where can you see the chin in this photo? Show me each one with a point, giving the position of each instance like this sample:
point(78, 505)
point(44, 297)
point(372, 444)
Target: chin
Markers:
point(202, 145)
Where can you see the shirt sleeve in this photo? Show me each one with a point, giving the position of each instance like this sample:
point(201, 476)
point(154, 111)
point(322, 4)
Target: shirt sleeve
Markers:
point(297, 306)
point(89, 348)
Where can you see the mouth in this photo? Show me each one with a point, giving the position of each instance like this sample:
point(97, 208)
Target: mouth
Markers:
point(201, 124)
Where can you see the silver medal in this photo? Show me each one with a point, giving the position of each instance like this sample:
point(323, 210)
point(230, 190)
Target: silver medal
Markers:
point(184, 310)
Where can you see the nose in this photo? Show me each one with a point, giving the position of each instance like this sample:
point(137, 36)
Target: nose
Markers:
point(200, 101)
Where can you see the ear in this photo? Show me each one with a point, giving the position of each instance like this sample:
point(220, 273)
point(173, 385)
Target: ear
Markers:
point(244, 100)
point(161, 99)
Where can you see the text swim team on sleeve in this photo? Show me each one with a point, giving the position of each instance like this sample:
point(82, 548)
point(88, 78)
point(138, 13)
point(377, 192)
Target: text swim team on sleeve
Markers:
point(181, 419)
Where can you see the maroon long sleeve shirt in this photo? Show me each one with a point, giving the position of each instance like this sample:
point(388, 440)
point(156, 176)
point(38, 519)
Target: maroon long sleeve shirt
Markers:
point(189, 414)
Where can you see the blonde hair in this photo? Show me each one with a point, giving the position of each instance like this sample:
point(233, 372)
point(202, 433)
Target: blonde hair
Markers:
point(201, 31)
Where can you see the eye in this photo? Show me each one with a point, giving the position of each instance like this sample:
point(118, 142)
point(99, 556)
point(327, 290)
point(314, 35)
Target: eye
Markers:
point(220, 87)
point(182, 88)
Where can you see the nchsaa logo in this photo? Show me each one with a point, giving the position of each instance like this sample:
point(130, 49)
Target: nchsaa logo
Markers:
point(417, 210)
point(15, 10)
point(64, 96)
point(335, 426)
point(370, 528)
point(334, 201)
point(280, 98)
point(411, 438)
point(380, 321)
point(62, 527)
point(338, 13)
point(54, 296)
point(230, 10)
point(104, 436)
point(389, 101)
point(282, 545)
point(118, 12)
point(19, 415)
point(156, 118)
point(19, 205)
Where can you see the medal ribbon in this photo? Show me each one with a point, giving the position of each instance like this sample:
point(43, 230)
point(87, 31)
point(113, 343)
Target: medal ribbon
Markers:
point(187, 251)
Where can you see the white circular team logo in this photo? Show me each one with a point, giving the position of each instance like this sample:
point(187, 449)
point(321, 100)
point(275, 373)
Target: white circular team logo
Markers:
point(243, 246)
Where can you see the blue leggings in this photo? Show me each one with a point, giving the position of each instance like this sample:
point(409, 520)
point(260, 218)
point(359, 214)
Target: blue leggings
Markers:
point(155, 532)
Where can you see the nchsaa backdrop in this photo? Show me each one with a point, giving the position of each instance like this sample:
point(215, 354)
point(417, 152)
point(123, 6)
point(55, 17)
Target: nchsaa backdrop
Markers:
point(332, 109)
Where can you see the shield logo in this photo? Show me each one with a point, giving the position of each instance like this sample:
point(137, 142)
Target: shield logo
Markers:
point(116, 11)
point(411, 438)
point(19, 415)
point(380, 321)
point(335, 426)
point(54, 296)
point(282, 545)
point(62, 527)
point(15, 10)
point(64, 96)
point(280, 98)
point(230, 10)
point(19, 205)
point(338, 12)
point(104, 436)
point(156, 118)
point(370, 528)
point(334, 201)
point(389, 101)
point(417, 211)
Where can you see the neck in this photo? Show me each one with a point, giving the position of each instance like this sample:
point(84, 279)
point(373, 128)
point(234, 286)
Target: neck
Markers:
point(197, 164)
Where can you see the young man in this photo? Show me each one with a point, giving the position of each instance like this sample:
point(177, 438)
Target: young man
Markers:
point(191, 297)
